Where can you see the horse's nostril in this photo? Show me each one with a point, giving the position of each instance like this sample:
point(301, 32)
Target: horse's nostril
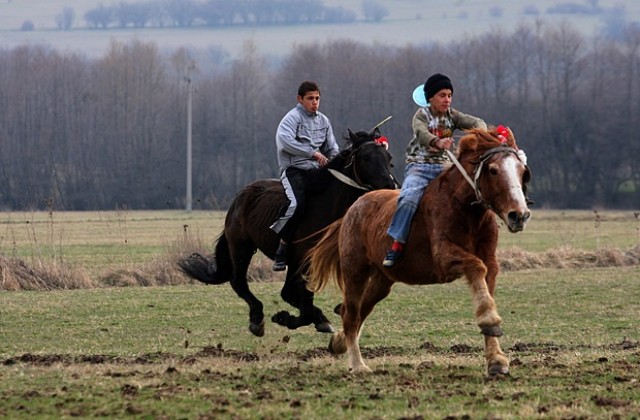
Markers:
point(518, 218)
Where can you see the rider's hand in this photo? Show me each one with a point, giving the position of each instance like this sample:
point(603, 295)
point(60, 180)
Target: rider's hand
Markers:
point(320, 158)
point(444, 143)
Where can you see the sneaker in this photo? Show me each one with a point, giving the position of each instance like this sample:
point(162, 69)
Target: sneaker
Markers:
point(279, 265)
point(280, 260)
point(391, 258)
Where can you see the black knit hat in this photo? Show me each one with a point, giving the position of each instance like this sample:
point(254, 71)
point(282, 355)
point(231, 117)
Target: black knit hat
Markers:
point(435, 84)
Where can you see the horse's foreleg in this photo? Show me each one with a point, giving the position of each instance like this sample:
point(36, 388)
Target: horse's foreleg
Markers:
point(484, 305)
point(497, 362)
point(482, 286)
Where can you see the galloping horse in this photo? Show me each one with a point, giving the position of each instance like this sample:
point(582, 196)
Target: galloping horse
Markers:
point(454, 234)
point(364, 166)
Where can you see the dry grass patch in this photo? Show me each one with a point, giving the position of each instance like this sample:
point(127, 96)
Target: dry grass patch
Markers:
point(41, 274)
point(514, 259)
point(75, 250)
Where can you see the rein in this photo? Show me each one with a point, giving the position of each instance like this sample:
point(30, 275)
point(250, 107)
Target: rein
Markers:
point(355, 183)
point(478, 171)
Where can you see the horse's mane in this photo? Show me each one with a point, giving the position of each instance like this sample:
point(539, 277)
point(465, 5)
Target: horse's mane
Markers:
point(473, 144)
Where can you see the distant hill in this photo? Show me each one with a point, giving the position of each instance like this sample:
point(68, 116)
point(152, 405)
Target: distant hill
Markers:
point(408, 21)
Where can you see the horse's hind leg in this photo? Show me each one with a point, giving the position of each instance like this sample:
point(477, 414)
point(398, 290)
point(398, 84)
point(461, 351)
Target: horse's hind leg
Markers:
point(360, 296)
point(239, 283)
point(297, 295)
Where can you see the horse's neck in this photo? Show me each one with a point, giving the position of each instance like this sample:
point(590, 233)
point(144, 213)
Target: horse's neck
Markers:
point(338, 194)
point(453, 194)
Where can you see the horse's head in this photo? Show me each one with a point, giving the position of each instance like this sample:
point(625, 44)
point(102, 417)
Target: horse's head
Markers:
point(366, 161)
point(498, 174)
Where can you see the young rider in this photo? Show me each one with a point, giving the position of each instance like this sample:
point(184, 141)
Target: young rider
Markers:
point(305, 142)
point(433, 125)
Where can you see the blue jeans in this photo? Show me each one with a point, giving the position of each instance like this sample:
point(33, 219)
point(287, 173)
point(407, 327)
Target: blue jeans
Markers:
point(416, 178)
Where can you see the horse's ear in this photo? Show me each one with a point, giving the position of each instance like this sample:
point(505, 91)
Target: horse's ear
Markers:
point(353, 137)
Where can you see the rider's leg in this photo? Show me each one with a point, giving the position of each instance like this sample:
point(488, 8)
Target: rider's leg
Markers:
point(293, 181)
point(417, 177)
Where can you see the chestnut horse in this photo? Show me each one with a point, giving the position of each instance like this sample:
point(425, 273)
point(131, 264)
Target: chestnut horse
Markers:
point(363, 166)
point(454, 233)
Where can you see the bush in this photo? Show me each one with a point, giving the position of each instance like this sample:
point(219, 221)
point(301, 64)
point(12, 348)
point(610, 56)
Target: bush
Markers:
point(27, 26)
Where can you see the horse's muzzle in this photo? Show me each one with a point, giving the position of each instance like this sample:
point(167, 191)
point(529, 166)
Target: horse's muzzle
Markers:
point(516, 220)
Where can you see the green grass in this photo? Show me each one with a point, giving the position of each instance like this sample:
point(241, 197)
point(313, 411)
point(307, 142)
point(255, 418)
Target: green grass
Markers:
point(578, 229)
point(185, 351)
point(571, 336)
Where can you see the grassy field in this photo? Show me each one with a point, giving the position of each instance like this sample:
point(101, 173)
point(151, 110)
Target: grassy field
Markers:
point(185, 351)
point(92, 249)
point(102, 241)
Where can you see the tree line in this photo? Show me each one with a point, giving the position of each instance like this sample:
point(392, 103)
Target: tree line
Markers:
point(83, 133)
point(215, 13)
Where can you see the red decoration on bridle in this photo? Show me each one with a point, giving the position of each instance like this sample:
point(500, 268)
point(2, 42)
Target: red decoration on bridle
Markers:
point(382, 140)
point(503, 133)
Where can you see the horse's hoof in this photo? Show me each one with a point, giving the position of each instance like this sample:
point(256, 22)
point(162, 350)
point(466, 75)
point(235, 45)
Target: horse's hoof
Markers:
point(338, 309)
point(325, 327)
point(337, 345)
point(360, 370)
point(257, 329)
point(281, 318)
point(492, 331)
point(497, 369)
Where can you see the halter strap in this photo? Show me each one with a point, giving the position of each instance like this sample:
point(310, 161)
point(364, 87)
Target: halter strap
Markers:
point(478, 170)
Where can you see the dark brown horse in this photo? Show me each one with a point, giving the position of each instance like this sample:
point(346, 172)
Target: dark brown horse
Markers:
point(364, 166)
point(454, 234)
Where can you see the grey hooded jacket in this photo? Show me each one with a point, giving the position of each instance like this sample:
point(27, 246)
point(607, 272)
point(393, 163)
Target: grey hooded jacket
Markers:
point(301, 134)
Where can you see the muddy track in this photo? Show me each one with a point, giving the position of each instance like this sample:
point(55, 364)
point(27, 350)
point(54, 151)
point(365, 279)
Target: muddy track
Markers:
point(518, 349)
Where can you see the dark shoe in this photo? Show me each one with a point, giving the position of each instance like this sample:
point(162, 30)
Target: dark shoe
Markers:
point(391, 258)
point(280, 261)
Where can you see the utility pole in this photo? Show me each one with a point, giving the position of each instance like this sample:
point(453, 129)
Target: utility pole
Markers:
point(189, 198)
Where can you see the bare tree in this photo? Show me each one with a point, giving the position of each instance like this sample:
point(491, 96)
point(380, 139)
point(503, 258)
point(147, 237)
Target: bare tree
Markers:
point(64, 19)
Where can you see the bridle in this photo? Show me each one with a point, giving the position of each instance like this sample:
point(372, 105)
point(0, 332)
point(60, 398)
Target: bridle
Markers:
point(356, 182)
point(478, 171)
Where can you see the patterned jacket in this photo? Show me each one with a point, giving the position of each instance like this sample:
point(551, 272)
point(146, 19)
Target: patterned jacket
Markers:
point(427, 128)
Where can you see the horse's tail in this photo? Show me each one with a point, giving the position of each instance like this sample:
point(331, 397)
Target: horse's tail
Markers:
point(209, 270)
point(324, 260)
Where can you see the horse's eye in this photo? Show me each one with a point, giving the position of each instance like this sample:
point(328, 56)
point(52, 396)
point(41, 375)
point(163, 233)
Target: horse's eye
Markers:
point(493, 169)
